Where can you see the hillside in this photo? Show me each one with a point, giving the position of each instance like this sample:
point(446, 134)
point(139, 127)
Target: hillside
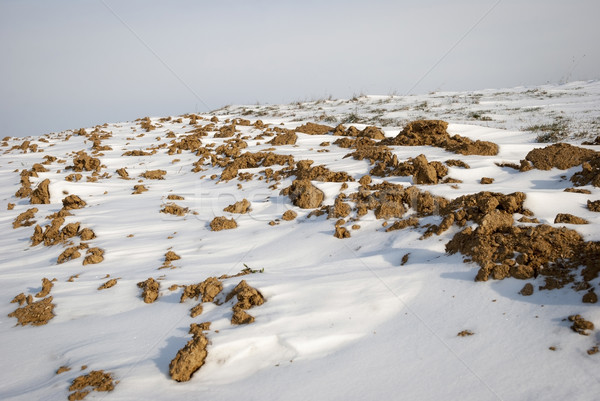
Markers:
point(381, 247)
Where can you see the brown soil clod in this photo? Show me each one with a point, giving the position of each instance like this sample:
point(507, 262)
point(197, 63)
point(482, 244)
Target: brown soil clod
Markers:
point(289, 215)
point(341, 232)
point(527, 290)
point(46, 287)
point(425, 172)
point(174, 209)
point(87, 234)
point(208, 289)
point(62, 369)
point(566, 218)
point(593, 350)
point(578, 191)
point(457, 163)
point(590, 297)
point(123, 174)
point(404, 259)
point(25, 219)
point(580, 325)
point(486, 180)
point(304, 194)
point(150, 289)
point(35, 313)
point(196, 310)
point(314, 129)
point(593, 206)
point(94, 256)
point(433, 133)
point(465, 333)
point(154, 174)
point(402, 224)
point(222, 223)
point(138, 189)
point(110, 283)
point(73, 202)
point(284, 138)
point(559, 155)
point(41, 194)
point(69, 254)
point(96, 380)
point(247, 297)
point(189, 359)
point(175, 197)
point(589, 174)
point(198, 328)
point(240, 207)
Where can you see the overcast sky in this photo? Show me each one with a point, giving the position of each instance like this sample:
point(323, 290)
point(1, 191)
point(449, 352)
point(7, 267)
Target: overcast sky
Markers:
point(71, 64)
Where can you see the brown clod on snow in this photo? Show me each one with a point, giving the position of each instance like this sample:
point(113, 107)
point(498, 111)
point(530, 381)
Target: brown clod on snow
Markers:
point(69, 254)
point(284, 138)
point(73, 202)
point(593, 206)
point(154, 174)
point(175, 210)
point(175, 197)
point(84, 162)
point(341, 232)
point(589, 297)
point(424, 172)
point(123, 174)
point(110, 283)
point(240, 207)
point(34, 313)
point(25, 218)
point(589, 174)
point(222, 223)
point(41, 194)
point(95, 255)
point(150, 289)
point(198, 328)
point(289, 215)
point(580, 325)
point(304, 194)
point(314, 129)
point(87, 234)
point(247, 296)
point(138, 189)
point(527, 290)
point(46, 287)
point(486, 180)
point(559, 155)
point(465, 333)
point(97, 380)
point(196, 310)
point(208, 289)
point(189, 359)
point(567, 218)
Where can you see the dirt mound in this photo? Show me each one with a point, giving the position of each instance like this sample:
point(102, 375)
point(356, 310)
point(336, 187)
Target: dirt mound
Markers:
point(240, 207)
point(150, 289)
point(87, 234)
point(486, 180)
point(433, 133)
point(254, 160)
point(341, 232)
point(138, 189)
point(34, 313)
point(73, 202)
point(41, 194)
point(589, 174)
point(175, 210)
point(371, 132)
point(402, 224)
point(69, 254)
point(46, 287)
point(559, 155)
point(593, 206)
point(169, 257)
point(304, 194)
point(425, 172)
point(84, 162)
point(314, 129)
point(456, 163)
point(137, 152)
point(222, 223)
point(154, 174)
point(247, 297)
point(289, 215)
point(175, 197)
point(109, 284)
point(475, 207)
point(340, 209)
point(304, 171)
point(580, 325)
point(123, 174)
point(208, 289)
point(94, 256)
point(96, 380)
point(285, 138)
point(25, 218)
point(567, 218)
point(189, 359)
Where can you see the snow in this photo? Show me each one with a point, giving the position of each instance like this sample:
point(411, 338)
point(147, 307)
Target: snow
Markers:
point(343, 319)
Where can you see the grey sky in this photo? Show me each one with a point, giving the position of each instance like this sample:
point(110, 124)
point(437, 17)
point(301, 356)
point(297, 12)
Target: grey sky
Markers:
point(71, 64)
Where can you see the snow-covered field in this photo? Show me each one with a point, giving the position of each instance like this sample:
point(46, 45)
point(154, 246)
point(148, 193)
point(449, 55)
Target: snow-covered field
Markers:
point(343, 318)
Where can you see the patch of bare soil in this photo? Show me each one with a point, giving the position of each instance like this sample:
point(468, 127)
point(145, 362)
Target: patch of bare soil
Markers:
point(427, 173)
point(341, 232)
point(46, 287)
point(340, 209)
point(176, 210)
point(289, 215)
point(35, 313)
point(314, 129)
point(138, 152)
point(154, 174)
point(41, 194)
point(593, 206)
point(433, 133)
point(287, 137)
point(402, 224)
point(486, 180)
point(198, 328)
point(25, 219)
point(208, 289)
point(110, 283)
point(150, 288)
point(73, 202)
point(578, 191)
point(69, 254)
point(559, 155)
point(304, 171)
point(96, 380)
point(457, 163)
point(87, 234)
point(73, 177)
point(189, 359)
point(580, 325)
point(94, 256)
point(25, 189)
point(567, 218)
point(84, 162)
point(589, 174)
point(247, 297)
point(123, 174)
point(138, 189)
point(175, 197)
point(222, 223)
point(253, 160)
point(304, 194)
point(240, 207)
point(527, 290)
point(371, 132)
